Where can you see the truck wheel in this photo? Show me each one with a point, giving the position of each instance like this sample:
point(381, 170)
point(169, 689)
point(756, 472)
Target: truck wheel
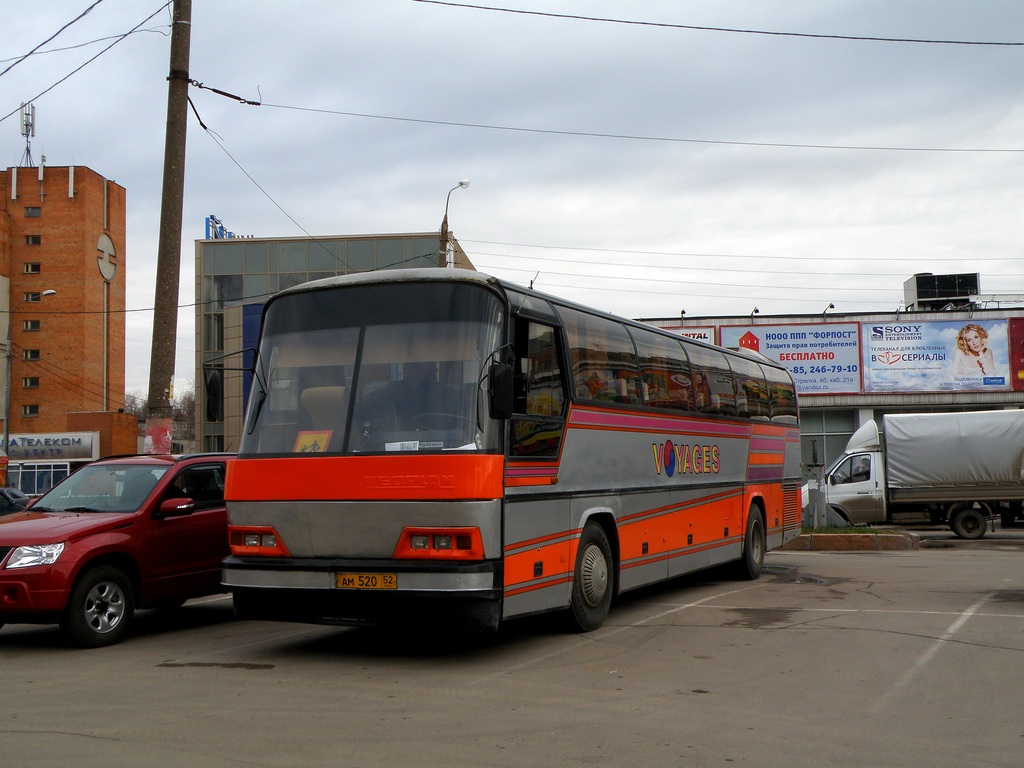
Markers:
point(592, 583)
point(100, 608)
point(749, 566)
point(968, 522)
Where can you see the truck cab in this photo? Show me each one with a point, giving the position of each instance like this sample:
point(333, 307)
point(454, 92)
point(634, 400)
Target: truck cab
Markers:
point(855, 482)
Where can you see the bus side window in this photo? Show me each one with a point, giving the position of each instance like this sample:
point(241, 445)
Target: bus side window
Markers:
point(603, 359)
point(751, 389)
point(665, 375)
point(782, 394)
point(713, 380)
point(538, 391)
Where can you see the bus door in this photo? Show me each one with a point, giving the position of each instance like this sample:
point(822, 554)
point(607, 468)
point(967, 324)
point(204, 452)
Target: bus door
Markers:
point(536, 515)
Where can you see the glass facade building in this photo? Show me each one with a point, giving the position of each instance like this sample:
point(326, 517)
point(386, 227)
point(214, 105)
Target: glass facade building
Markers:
point(234, 279)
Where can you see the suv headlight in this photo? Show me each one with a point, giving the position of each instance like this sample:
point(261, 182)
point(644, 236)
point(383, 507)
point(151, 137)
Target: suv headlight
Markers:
point(35, 554)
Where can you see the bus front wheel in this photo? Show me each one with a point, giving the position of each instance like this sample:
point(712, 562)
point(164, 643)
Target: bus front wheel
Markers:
point(592, 583)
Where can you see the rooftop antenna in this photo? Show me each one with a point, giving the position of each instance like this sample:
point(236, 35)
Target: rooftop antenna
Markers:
point(28, 130)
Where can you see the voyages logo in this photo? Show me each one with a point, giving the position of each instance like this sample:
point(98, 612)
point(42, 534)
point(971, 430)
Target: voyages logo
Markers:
point(685, 459)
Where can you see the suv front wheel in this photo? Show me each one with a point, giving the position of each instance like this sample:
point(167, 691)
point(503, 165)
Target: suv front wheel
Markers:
point(100, 608)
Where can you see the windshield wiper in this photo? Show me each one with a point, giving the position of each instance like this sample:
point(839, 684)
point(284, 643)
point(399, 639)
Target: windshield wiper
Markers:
point(82, 509)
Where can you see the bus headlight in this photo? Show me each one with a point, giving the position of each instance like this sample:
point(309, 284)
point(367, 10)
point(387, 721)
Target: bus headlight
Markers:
point(258, 540)
point(440, 544)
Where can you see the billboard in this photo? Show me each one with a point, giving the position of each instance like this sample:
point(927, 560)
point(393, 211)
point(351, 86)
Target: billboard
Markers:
point(822, 358)
point(705, 333)
point(947, 356)
point(1017, 353)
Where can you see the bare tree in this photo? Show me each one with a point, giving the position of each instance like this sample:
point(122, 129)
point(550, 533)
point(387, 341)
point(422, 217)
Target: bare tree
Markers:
point(135, 404)
point(183, 411)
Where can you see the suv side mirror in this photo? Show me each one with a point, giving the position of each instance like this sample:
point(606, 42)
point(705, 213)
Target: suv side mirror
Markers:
point(175, 508)
point(499, 388)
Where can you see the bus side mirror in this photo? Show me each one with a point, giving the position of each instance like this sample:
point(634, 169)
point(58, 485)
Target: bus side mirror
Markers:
point(499, 388)
point(214, 399)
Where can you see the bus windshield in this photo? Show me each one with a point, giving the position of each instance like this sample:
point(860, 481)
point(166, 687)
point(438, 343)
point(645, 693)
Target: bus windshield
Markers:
point(375, 368)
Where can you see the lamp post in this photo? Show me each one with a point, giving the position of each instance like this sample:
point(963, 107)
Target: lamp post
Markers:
point(7, 374)
point(442, 254)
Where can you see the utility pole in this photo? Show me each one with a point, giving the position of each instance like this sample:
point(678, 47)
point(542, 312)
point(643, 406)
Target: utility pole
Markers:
point(168, 266)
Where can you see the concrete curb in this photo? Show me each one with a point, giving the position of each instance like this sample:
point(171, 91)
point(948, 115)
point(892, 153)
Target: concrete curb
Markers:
point(854, 542)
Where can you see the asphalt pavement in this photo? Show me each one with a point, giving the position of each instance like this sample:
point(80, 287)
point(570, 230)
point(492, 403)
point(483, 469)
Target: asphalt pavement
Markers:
point(907, 658)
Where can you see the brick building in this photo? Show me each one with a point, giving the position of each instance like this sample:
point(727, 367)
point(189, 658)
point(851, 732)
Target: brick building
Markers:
point(62, 230)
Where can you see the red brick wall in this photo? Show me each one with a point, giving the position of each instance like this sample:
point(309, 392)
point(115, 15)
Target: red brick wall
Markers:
point(118, 431)
point(71, 337)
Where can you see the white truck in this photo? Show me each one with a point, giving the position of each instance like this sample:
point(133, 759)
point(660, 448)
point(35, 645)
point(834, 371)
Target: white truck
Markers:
point(955, 468)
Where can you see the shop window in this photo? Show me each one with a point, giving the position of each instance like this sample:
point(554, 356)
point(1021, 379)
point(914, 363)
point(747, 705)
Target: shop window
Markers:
point(35, 479)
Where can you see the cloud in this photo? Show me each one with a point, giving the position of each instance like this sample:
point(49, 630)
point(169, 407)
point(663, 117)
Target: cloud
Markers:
point(718, 227)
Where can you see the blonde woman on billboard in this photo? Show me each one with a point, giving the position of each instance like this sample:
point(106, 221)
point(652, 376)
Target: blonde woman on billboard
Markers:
point(973, 356)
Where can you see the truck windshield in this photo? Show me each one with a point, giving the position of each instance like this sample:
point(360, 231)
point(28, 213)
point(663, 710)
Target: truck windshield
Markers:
point(376, 368)
point(102, 488)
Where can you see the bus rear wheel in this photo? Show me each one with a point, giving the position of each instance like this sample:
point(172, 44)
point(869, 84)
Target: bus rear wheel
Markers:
point(593, 581)
point(750, 565)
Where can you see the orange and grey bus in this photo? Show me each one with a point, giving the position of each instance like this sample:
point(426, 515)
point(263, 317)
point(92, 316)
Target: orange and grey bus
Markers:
point(441, 443)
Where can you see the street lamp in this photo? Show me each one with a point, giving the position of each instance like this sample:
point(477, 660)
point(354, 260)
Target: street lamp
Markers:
point(7, 374)
point(442, 254)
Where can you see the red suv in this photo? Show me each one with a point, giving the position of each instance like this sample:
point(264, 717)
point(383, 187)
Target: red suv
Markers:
point(120, 533)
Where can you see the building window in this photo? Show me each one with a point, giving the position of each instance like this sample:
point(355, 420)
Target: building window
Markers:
point(30, 410)
point(33, 239)
point(33, 268)
point(37, 478)
point(33, 212)
point(33, 297)
point(31, 354)
point(30, 382)
point(31, 325)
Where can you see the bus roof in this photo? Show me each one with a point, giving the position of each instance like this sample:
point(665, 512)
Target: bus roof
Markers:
point(438, 274)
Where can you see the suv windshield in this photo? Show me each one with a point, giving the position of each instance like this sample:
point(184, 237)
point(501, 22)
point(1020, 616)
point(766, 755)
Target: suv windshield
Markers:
point(375, 368)
point(103, 488)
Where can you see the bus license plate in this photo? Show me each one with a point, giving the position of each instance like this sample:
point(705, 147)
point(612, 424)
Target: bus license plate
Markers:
point(366, 581)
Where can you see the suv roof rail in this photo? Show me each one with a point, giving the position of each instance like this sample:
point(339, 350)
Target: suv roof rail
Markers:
point(172, 456)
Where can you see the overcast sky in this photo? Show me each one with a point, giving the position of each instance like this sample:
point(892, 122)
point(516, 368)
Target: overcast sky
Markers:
point(643, 168)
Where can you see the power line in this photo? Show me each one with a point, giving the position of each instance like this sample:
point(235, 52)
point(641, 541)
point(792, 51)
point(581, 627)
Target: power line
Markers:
point(87, 43)
point(80, 16)
point(637, 137)
point(687, 283)
point(690, 254)
point(88, 61)
point(733, 30)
